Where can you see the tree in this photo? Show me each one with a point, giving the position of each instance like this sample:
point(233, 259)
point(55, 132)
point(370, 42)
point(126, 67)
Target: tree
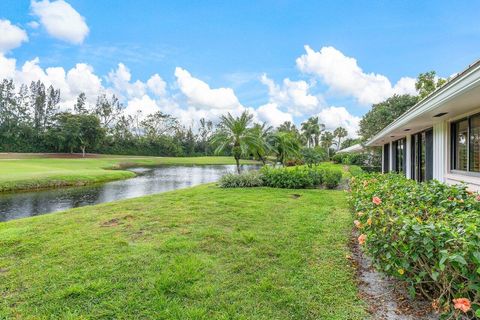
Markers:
point(312, 130)
point(287, 126)
point(340, 133)
point(235, 133)
point(350, 142)
point(383, 113)
point(205, 133)
point(158, 124)
point(327, 141)
point(71, 131)
point(285, 145)
point(427, 83)
point(80, 105)
point(107, 109)
point(313, 156)
point(262, 133)
point(37, 101)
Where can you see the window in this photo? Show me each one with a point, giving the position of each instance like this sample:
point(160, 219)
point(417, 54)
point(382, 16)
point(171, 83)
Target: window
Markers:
point(422, 156)
point(466, 144)
point(475, 143)
point(399, 149)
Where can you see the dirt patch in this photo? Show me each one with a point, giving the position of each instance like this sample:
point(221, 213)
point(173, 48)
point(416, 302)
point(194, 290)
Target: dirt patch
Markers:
point(295, 196)
point(111, 223)
point(386, 298)
point(3, 270)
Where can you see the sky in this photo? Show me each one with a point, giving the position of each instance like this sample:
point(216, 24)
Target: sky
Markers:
point(281, 60)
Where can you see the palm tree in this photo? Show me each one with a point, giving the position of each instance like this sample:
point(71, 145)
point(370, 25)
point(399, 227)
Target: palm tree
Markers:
point(340, 133)
point(262, 133)
point(236, 134)
point(327, 141)
point(312, 130)
point(285, 145)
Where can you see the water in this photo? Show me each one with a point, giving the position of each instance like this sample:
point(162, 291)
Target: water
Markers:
point(148, 181)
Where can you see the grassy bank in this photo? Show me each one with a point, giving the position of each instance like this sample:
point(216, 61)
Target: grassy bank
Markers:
point(46, 172)
point(198, 253)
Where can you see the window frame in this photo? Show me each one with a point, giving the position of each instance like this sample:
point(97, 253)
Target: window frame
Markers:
point(453, 145)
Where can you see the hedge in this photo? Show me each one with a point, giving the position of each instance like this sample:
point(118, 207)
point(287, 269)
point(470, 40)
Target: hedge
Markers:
point(426, 234)
point(299, 177)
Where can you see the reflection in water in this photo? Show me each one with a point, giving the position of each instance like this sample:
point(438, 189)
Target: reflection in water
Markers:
point(149, 181)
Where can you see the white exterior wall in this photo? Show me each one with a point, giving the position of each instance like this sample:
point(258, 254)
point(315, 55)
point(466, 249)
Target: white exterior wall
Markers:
point(390, 157)
point(440, 152)
point(408, 156)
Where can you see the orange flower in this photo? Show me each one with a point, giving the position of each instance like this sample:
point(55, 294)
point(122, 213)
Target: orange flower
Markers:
point(358, 224)
point(360, 213)
point(462, 304)
point(369, 221)
point(376, 200)
point(362, 239)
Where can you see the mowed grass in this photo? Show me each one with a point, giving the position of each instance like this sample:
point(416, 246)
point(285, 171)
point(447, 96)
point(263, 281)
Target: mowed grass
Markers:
point(41, 172)
point(197, 253)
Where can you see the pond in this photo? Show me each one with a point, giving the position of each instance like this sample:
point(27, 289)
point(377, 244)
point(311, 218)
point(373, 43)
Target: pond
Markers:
point(147, 181)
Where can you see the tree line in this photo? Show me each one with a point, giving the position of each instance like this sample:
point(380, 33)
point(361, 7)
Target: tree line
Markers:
point(32, 119)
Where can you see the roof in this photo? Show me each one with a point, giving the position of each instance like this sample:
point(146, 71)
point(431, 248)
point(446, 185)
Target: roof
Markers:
point(454, 97)
point(352, 149)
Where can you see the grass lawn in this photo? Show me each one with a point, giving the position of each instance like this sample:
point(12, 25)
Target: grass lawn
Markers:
point(197, 253)
point(40, 172)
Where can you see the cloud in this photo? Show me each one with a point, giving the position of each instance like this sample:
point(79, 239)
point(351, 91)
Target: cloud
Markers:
point(120, 79)
point(271, 114)
point(11, 36)
point(141, 106)
point(343, 75)
point(61, 20)
point(71, 83)
point(200, 95)
point(334, 117)
point(292, 95)
point(156, 85)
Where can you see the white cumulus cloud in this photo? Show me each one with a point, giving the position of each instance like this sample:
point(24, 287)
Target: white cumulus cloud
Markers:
point(61, 20)
point(120, 78)
point(200, 95)
point(343, 75)
point(292, 95)
point(157, 85)
point(271, 114)
point(11, 36)
point(334, 117)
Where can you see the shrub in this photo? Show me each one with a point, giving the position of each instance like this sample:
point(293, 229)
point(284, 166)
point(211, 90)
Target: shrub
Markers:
point(243, 180)
point(332, 178)
point(291, 178)
point(426, 234)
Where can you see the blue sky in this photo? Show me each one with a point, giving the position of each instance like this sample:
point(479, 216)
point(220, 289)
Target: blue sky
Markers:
point(231, 44)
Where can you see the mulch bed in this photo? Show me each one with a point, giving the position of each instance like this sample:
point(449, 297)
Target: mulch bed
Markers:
point(386, 298)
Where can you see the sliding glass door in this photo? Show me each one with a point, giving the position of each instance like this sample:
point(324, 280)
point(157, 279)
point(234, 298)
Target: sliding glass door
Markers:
point(421, 160)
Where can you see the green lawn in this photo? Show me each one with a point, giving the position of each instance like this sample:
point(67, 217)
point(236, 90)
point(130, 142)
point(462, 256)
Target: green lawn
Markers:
point(197, 253)
point(40, 172)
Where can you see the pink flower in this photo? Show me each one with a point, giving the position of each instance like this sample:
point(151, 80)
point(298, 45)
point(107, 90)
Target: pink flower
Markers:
point(376, 200)
point(477, 197)
point(462, 304)
point(362, 239)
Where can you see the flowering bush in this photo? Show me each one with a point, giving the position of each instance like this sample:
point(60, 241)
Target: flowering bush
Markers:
point(426, 234)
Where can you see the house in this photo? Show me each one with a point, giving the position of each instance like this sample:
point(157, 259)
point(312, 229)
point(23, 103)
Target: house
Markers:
point(439, 137)
point(356, 148)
